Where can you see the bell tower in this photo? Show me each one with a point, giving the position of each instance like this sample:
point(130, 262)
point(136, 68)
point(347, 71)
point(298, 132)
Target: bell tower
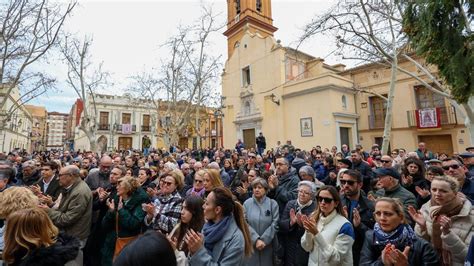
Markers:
point(252, 15)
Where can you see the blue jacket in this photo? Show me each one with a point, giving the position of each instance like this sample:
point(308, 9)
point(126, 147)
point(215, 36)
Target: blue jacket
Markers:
point(228, 251)
point(468, 189)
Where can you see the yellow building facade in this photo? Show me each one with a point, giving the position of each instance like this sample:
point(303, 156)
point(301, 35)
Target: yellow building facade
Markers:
point(410, 97)
point(289, 95)
point(283, 93)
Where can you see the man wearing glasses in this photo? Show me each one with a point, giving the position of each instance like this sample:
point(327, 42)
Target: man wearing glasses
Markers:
point(357, 209)
point(457, 170)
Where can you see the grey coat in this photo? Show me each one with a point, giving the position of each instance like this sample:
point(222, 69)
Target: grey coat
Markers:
point(263, 224)
point(74, 213)
point(228, 251)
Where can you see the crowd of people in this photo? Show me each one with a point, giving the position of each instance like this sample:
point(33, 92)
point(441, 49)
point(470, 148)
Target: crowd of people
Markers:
point(276, 206)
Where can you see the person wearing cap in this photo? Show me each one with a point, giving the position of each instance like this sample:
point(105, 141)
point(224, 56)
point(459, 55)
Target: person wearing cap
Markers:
point(344, 163)
point(435, 162)
point(390, 187)
point(356, 208)
point(468, 159)
point(470, 149)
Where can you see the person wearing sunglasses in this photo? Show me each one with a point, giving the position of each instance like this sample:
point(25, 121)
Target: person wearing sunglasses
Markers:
point(328, 235)
point(456, 169)
point(356, 208)
point(164, 214)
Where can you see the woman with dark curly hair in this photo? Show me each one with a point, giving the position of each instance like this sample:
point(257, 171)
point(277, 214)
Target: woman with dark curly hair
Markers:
point(413, 179)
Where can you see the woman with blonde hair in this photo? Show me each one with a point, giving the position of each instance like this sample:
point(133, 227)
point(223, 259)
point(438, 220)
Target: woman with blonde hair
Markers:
point(32, 239)
point(13, 199)
point(124, 217)
point(212, 179)
point(446, 220)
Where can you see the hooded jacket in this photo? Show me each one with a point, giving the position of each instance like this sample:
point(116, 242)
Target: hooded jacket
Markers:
point(65, 249)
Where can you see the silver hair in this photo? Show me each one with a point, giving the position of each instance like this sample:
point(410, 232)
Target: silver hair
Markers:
point(260, 181)
point(309, 184)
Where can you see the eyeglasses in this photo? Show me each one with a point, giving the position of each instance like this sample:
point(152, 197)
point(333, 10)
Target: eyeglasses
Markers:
point(167, 183)
point(453, 166)
point(385, 161)
point(324, 199)
point(304, 192)
point(349, 182)
point(252, 157)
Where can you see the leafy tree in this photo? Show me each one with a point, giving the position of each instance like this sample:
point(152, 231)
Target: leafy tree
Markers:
point(440, 31)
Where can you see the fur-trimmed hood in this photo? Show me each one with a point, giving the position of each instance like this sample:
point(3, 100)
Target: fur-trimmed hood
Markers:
point(64, 250)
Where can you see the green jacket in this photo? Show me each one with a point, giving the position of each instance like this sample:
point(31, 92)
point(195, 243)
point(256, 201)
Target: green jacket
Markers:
point(406, 198)
point(74, 214)
point(131, 218)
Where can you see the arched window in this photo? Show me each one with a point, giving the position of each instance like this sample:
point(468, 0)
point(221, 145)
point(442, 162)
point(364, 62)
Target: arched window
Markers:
point(344, 102)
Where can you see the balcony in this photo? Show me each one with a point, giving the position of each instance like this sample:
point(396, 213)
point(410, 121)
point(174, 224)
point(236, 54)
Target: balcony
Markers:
point(146, 128)
point(104, 127)
point(376, 123)
point(447, 116)
point(118, 127)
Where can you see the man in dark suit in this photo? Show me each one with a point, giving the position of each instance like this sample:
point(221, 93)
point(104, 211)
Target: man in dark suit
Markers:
point(48, 184)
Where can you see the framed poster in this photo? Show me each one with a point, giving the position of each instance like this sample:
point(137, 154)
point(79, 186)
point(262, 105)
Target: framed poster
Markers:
point(306, 125)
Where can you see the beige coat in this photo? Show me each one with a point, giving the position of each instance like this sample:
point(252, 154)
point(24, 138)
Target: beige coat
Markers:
point(459, 238)
point(74, 213)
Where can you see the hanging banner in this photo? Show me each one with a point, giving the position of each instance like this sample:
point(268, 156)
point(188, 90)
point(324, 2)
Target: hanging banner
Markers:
point(428, 118)
point(126, 129)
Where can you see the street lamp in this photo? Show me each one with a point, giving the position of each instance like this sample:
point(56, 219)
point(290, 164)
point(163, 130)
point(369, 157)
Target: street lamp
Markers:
point(217, 114)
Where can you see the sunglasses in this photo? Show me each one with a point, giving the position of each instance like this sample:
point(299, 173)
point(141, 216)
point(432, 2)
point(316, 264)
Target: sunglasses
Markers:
point(167, 183)
point(453, 166)
point(349, 182)
point(324, 199)
point(385, 161)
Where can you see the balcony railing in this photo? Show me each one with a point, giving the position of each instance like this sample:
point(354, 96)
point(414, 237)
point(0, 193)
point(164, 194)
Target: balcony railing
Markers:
point(104, 126)
point(118, 127)
point(146, 128)
point(376, 123)
point(447, 116)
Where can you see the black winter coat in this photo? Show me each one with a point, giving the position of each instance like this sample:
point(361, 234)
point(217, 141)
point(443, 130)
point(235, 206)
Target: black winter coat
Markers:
point(64, 250)
point(421, 252)
point(366, 172)
point(290, 236)
point(366, 212)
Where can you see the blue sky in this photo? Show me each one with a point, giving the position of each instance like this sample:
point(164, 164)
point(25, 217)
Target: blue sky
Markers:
point(127, 36)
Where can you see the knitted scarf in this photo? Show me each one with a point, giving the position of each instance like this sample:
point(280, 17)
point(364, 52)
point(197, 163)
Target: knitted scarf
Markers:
point(402, 236)
point(449, 209)
point(213, 232)
point(302, 206)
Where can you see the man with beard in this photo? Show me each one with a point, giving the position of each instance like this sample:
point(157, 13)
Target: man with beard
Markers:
point(363, 168)
point(30, 173)
point(100, 178)
point(99, 207)
point(283, 185)
point(283, 188)
point(357, 209)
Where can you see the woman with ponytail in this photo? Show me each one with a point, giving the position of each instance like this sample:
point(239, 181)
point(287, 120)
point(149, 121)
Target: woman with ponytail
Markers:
point(226, 238)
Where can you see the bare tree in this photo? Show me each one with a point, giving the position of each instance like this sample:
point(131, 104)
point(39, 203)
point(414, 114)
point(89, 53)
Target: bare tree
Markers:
point(85, 79)
point(28, 30)
point(371, 32)
point(183, 83)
